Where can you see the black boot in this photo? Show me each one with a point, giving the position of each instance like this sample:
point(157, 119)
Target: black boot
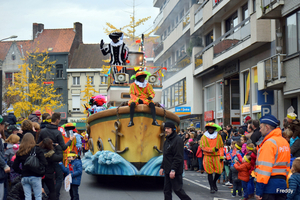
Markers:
point(153, 113)
point(210, 181)
point(132, 106)
point(215, 182)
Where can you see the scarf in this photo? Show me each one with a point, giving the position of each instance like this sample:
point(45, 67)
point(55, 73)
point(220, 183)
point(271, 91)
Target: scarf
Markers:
point(141, 85)
point(119, 43)
point(292, 141)
point(211, 136)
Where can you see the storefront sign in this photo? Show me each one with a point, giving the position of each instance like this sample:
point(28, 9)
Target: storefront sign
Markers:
point(76, 120)
point(183, 110)
point(246, 109)
point(231, 69)
point(235, 113)
point(220, 114)
point(209, 115)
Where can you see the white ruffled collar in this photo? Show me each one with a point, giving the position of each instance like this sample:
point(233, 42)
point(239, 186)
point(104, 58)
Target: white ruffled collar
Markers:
point(119, 43)
point(211, 136)
point(141, 85)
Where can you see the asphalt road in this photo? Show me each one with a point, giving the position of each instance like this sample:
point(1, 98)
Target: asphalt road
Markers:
point(145, 188)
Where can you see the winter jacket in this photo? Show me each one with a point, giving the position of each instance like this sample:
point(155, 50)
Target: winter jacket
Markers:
point(11, 119)
point(172, 154)
point(26, 171)
point(3, 164)
point(294, 186)
point(194, 149)
point(255, 136)
point(236, 138)
point(243, 170)
point(76, 171)
point(295, 149)
point(186, 152)
point(33, 118)
point(29, 131)
point(234, 173)
point(238, 156)
point(51, 131)
point(16, 192)
point(52, 156)
point(44, 124)
point(9, 153)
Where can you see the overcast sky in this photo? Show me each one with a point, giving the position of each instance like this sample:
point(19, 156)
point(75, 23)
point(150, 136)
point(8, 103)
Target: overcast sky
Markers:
point(17, 16)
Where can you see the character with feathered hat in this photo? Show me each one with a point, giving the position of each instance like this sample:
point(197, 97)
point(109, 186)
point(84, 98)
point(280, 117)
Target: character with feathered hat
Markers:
point(141, 92)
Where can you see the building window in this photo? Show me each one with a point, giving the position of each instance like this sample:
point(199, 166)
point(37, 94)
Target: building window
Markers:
point(103, 80)
point(175, 94)
point(91, 78)
point(245, 12)
point(293, 40)
point(76, 102)
point(181, 14)
point(235, 94)
point(210, 98)
point(59, 71)
point(209, 38)
point(76, 80)
point(246, 79)
point(231, 21)
point(13, 56)
point(219, 96)
point(254, 5)
point(255, 108)
point(8, 77)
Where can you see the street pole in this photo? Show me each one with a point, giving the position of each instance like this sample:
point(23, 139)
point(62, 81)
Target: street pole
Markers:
point(1, 75)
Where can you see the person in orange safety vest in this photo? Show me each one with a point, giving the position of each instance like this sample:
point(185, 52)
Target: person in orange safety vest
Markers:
point(273, 161)
point(141, 92)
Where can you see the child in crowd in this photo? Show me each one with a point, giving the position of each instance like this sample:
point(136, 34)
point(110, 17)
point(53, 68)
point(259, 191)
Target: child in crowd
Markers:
point(237, 184)
point(252, 151)
point(10, 154)
point(74, 168)
point(244, 142)
point(243, 173)
point(228, 162)
point(186, 155)
point(294, 181)
point(78, 143)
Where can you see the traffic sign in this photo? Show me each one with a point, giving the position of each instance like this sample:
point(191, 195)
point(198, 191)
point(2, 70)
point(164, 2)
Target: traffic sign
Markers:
point(265, 97)
point(266, 110)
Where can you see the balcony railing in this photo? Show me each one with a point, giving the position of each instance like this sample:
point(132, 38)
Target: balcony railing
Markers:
point(180, 64)
point(266, 3)
point(233, 37)
point(274, 68)
point(159, 48)
point(158, 19)
point(186, 20)
point(198, 15)
point(216, 2)
point(198, 60)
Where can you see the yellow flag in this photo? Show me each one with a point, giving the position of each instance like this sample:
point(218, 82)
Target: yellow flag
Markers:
point(247, 92)
point(136, 68)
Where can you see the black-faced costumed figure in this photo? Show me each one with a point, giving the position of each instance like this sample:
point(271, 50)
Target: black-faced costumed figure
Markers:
point(118, 51)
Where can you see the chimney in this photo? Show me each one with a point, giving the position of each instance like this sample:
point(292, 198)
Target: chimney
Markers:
point(40, 27)
point(34, 30)
point(78, 31)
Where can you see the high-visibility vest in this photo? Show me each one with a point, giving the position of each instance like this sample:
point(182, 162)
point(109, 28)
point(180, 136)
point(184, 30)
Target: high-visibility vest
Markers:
point(273, 157)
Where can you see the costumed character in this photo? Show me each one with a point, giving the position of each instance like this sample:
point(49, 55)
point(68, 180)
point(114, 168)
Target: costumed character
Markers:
point(97, 104)
point(211, 144)
point(68, 130)
point(118, 51)
point(85, 139)
point(141, 92)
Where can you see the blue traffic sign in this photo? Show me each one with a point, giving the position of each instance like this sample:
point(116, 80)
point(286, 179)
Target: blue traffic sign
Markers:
point(265, 97)
point(197, 125)
point(266, 110)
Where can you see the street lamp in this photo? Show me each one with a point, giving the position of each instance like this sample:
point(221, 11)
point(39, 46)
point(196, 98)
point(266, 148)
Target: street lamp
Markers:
point(11, 37)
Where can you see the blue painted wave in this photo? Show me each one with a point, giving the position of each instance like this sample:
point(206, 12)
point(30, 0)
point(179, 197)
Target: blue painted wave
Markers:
point(152, 167)
point(108, 163)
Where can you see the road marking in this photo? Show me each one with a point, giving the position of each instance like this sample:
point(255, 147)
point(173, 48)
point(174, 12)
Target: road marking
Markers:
point(196, 183)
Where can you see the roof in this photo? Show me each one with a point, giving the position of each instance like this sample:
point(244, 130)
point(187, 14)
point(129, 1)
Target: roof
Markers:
point(26, 46)
point(60, 40)
point(88, 56)
point(4, 48)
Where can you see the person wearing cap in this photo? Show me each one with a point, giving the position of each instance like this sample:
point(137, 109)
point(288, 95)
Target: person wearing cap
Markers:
point(118, 51)
point(11, 118)
point(212, 145)
point(141, 92)
point(172, 164)
point(273, 161)
point(5, 169)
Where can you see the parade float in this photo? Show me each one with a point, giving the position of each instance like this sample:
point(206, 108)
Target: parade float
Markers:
point(115, 148)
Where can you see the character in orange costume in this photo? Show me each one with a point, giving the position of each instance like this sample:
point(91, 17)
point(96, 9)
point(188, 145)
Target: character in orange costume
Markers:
point(211, 144)
point(141, 92)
